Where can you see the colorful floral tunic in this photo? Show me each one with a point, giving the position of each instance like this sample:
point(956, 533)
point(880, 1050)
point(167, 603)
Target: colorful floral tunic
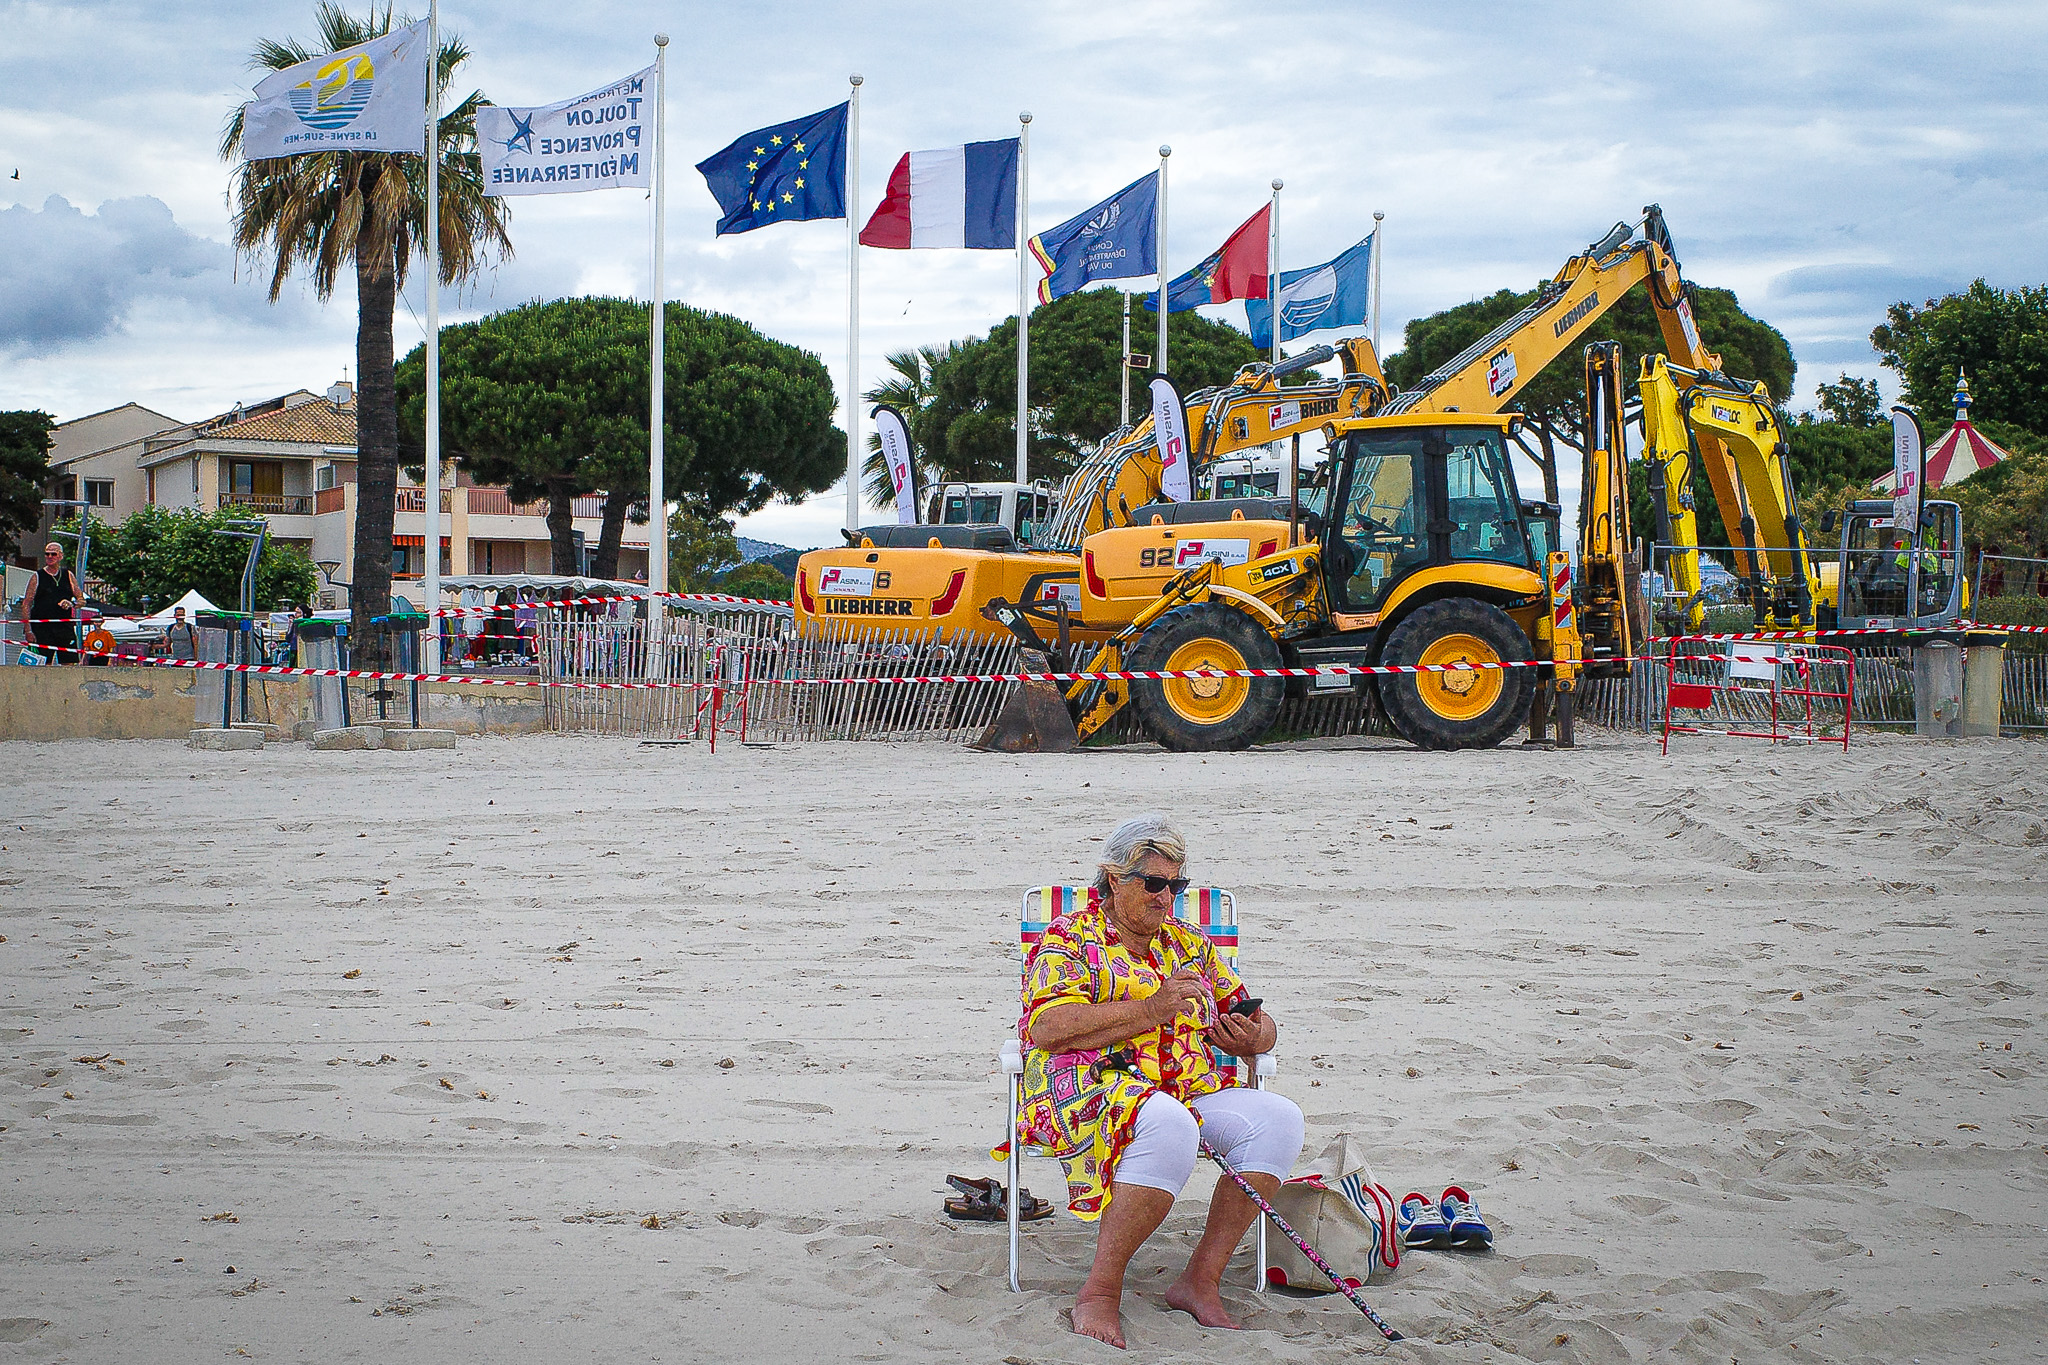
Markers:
point(1082, 1113)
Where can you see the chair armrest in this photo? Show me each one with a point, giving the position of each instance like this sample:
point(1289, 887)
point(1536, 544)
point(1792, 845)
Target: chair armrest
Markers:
point(1013, 1058)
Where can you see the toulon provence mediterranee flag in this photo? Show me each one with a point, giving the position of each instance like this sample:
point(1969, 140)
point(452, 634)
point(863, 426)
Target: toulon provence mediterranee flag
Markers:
point(784, 174)
point(368, 98)
point(1334, 294)
point(1114, 240)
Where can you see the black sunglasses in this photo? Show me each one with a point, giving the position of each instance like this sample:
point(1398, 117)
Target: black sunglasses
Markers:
point(1155, 885)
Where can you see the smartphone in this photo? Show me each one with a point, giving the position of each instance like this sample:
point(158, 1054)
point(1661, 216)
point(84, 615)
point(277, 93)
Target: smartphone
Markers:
point(1248, 1006)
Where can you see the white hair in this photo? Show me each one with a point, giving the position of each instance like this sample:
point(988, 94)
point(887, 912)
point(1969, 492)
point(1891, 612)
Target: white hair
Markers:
point(1136, 839)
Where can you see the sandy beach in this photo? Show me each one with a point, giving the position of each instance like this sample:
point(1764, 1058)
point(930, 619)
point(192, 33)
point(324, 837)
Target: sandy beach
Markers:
point(565, 1049)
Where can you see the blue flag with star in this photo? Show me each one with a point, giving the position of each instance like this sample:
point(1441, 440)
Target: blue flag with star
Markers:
point(784, 174)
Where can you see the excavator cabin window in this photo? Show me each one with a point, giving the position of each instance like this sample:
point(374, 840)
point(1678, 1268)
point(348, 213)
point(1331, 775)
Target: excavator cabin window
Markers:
point(1384, 515)
point(1480, 497)
point(1395, 479)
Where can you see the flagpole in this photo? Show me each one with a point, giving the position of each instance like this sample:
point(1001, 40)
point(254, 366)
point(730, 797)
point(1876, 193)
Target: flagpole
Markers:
point(1273, 267)
point(1378, 221)
point(431, 587)
point(1023, 306)
point(657, 337)
point(853, 460)
point(1124, 412)
point(1159, 361)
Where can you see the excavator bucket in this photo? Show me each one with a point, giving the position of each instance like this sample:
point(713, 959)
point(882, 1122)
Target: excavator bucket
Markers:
point(1034, 720)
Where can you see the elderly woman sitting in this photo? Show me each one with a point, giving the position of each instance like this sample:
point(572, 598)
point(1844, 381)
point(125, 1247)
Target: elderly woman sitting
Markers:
point(1121, 1005)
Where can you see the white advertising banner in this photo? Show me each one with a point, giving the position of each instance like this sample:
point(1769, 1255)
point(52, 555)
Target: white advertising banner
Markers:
point(1170, 430)
point(599, 141)
point(1907, 462)
point(371, 98)
point(895, 438)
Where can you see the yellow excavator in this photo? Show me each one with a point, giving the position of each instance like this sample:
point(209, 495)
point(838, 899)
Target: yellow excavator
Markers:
point(944, 574)
point(1422, 553)
point(1685, 409)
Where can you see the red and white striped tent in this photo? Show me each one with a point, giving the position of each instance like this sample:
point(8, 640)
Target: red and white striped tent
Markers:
point(1958, 455)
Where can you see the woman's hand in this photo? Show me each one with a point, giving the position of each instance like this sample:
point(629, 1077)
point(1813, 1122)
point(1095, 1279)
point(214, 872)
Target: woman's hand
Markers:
point(1175, 994)
point(1242, 1036)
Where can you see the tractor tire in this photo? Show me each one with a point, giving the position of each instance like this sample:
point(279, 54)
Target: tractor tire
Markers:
point(1460, 710)
point(1201, 715)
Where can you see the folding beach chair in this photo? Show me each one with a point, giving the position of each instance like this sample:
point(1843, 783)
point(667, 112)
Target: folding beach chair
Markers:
point(1208, 908)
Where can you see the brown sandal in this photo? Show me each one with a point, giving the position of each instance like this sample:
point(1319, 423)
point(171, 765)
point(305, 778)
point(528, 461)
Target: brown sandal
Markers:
point(981, 1201)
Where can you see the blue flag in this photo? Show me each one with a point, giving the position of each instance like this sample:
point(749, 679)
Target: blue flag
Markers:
point(1191, 290)
point(1115, 240)
point(784, 174)
point(1335, 294)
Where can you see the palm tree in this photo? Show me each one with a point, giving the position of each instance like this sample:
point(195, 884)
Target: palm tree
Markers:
point(329, 210)
point(910, 391)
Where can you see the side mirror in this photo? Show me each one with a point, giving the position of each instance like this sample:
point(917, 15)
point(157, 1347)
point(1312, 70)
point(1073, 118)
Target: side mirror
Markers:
point(1828, 521)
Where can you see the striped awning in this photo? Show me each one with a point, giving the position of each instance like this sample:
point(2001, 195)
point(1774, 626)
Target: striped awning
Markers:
point(414, 542)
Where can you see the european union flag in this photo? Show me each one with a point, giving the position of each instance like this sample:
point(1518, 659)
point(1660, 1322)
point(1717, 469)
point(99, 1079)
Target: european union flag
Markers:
point(1337, 293)
point(784, 174)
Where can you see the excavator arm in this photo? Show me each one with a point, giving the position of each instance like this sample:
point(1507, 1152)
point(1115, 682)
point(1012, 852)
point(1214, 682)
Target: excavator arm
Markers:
point(1123, 473)
point(1684, 406)
point(1486, 376)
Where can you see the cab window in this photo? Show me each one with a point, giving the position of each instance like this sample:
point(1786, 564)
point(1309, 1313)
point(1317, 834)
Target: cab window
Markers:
point(1481, 500)
point(1384, 519)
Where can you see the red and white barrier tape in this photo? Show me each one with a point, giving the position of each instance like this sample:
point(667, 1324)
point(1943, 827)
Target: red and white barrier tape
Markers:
point(1155, 675)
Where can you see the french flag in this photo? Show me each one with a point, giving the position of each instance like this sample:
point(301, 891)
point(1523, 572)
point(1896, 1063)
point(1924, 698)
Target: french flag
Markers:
point(955, 196)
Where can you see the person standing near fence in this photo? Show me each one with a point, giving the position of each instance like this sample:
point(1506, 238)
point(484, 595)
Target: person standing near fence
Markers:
point(180, 640)
point(49, 609)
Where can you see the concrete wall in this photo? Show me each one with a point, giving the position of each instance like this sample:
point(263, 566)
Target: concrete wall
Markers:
point(68, 702)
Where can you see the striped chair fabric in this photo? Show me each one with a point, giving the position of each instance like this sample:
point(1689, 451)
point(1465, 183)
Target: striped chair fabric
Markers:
point(1210, 909)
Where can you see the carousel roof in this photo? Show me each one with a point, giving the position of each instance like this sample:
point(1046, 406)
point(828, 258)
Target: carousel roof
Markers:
point(1956, 456)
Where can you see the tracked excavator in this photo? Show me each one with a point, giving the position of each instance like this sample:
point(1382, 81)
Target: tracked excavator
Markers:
point(1685, 409)
point(944, 573)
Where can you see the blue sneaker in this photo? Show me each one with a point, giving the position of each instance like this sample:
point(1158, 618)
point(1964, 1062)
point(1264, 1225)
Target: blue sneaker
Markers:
point(1467, 1228)
point(1421, 1223)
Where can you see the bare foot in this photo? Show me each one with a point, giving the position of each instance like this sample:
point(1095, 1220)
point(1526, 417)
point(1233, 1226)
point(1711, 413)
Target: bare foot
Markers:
point(1099, 1318)
point(1204, 1304)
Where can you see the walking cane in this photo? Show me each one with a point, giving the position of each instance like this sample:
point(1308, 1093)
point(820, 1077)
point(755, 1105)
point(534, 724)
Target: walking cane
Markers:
point(1301, 1244)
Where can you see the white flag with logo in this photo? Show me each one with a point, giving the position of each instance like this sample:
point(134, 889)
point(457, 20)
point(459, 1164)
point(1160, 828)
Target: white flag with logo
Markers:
point(371, 98)
point(598, 141)
point(1170, 430)
point(895, 438)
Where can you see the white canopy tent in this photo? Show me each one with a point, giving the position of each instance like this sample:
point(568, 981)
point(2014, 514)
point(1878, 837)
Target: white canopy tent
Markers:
point(192, 602)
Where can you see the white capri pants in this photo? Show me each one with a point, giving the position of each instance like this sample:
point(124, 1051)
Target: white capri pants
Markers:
point(1253, 1130)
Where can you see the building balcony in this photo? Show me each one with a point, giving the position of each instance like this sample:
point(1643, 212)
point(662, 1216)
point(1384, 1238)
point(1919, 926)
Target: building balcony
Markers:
point(415, 500)
point(333, 499)
point(271, 504)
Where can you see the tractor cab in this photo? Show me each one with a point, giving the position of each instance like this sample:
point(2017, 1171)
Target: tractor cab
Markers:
point(1410, 501)
point(1886, 579)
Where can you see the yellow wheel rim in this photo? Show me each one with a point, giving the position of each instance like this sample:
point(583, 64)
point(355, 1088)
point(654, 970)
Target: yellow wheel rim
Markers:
point(1460, 696)
point(1205, 701)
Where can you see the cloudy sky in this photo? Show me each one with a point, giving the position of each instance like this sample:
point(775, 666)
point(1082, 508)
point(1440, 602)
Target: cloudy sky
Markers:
point(1821, 159)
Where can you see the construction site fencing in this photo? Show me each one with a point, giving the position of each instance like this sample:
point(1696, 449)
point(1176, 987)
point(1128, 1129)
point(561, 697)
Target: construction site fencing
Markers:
point(1884, 691)
point(706, 665)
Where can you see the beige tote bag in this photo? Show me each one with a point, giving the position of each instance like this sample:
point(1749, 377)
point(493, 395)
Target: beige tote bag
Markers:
point(1344, 1213)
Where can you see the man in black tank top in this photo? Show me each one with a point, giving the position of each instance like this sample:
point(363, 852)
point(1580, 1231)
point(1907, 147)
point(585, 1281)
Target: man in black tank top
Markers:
point(48, 608)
